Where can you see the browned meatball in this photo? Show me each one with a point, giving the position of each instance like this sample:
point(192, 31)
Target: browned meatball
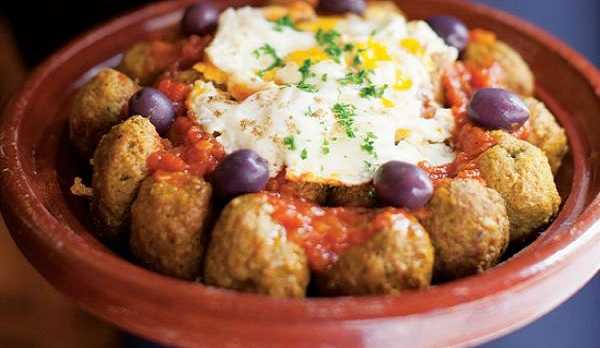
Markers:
point(546, 134)
point(396, 258)
point(353, 196)
point(144, 61)
point(520, 172)
point(168, 220)
point(517, 75)
point(119, 168)
point(250, 252)
point(310, 191)
point(97, 107)
point(468, 226)
point(380, 10)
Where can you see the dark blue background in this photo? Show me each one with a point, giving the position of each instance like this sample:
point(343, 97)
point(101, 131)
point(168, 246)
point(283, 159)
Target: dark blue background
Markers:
point(575, 323)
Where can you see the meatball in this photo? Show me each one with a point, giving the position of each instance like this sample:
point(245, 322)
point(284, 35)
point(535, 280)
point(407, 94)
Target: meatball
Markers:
point(521, 174)
point(517, 75)
point(353, 196)
point(468, 226)
point(250, 252)
point(144, 61)
point(168, 220)
point(396, 258)
point(97, 107)
point(310, 191)
point(119, 168)
point(382, 10)
point(546, 134)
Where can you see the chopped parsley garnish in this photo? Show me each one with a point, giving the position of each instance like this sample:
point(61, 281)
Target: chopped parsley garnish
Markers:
point(285, 21)
point(372, 91)
point(357, 60)
point(270, 51)
point(356, 78)
point(368, 144)
point(344, 114)
point(348, 47)
point(290, 143)
point(324, 77)
point(309, 112)
point(304, 154)
point(305, 71)
point(329, 40)
point(325, 147)
point(368, 166)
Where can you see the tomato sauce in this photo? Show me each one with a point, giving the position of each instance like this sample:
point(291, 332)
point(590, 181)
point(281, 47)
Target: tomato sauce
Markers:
point(190, 149)
point(325, 233)
point(460, 81)
point(177, 92)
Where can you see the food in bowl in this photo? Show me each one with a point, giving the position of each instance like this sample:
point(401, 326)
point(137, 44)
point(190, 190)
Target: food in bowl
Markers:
point(339, 146)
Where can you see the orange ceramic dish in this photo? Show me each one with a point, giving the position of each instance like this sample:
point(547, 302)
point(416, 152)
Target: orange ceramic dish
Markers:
point(50, 225)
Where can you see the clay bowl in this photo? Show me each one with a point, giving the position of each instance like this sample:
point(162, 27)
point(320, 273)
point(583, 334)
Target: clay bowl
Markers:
point(51, 229)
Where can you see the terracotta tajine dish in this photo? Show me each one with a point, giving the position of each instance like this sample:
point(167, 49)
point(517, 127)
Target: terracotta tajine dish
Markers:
point(52, 229)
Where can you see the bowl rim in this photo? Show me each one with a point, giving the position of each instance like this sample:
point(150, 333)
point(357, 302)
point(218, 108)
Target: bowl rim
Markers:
point(583, 230)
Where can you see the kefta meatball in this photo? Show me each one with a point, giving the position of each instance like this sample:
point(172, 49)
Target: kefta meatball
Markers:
point(168, 221)
point(517, 76)
point(546, 134)
point(396, 258)
point(520, 172)
point(119, 168)
point(97, 107)
point(144, 61)
point(353, 196)
point(468, 226)
point(250, 252)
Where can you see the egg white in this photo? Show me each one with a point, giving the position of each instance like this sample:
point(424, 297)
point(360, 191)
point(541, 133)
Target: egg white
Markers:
point(299, 129)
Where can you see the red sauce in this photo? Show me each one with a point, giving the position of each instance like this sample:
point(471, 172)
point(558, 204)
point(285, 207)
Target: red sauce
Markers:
point(460, 81)
point(177, 92)
point(325, 233)
point(282, 185)
point(190, 149)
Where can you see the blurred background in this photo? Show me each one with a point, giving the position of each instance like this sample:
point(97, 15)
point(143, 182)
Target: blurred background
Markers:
point(32, 314)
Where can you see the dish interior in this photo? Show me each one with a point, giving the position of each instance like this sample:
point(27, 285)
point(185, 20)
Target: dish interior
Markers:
point(50, 163)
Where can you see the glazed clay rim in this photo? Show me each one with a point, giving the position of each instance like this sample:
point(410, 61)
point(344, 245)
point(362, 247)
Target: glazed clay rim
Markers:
point(551, 254)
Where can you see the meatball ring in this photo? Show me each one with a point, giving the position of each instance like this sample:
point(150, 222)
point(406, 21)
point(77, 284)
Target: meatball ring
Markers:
point(353, 196)
point(546, 134)
point(520, 172)
point(396, 258)
point(468, 226)
point(97, 107)
point(250, 252)
point(168, 223)
point(119, 168)
point(517, 76)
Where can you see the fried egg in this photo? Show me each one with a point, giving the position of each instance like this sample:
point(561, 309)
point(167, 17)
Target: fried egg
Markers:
point(328, 100)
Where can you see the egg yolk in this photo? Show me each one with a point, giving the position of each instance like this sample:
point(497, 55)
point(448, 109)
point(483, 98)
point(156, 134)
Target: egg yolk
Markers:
point(371, 53)
point(413, 46)
point(315, 54)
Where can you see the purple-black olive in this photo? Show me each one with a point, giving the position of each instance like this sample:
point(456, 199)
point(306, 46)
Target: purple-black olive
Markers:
point(497, 108)
point(154, 105)
point(451, 30)
point(341, 6)
point(200, 19)
point(242, 171)
point(402, 184)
